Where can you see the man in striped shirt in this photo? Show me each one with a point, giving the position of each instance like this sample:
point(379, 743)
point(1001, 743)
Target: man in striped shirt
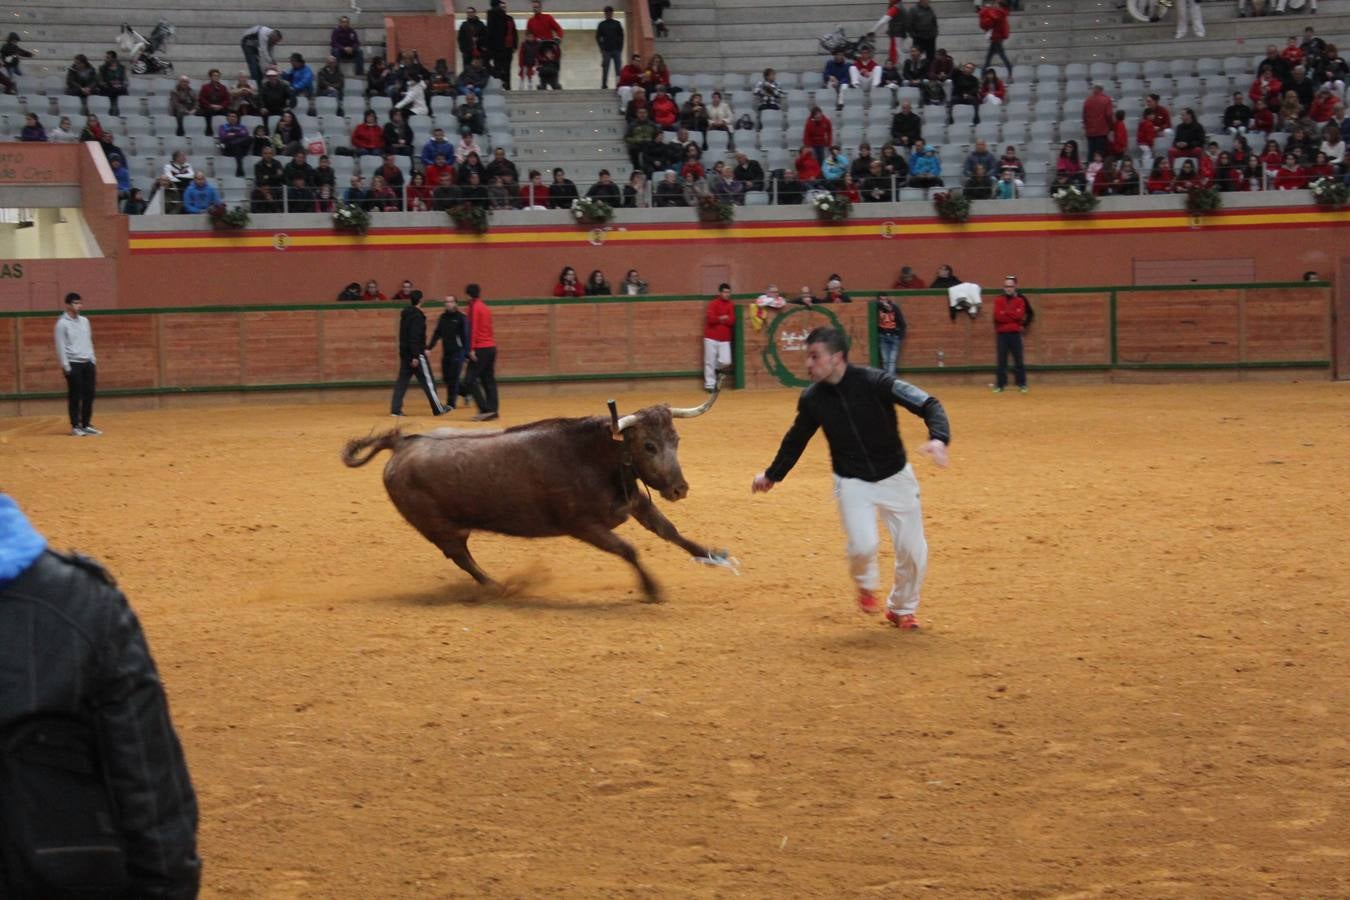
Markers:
point(75, 352)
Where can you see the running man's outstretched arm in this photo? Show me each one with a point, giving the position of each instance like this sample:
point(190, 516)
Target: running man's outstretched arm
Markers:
point(794, 442)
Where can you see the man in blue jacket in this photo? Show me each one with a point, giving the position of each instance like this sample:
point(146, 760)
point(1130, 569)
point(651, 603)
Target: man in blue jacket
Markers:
point(836, 77)
point(301, 79)
point(201, 195)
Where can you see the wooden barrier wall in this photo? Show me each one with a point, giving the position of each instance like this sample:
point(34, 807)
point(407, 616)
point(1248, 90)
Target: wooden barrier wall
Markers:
point(1105, 332)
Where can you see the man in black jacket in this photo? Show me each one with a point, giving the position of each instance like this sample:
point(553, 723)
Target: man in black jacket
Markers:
point(856, 407)
point(471, 38)
point(609, 37)
point(749, 171)
point(79, 694)
point(412, 357)
point(605, 189)
point(452, 333)
point(502, 42)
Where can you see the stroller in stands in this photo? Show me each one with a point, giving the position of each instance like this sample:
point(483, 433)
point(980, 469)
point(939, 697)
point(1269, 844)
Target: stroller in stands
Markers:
point(147, 55)
point(836, 41)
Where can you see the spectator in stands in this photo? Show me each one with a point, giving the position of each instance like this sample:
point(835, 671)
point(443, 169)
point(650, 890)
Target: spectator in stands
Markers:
point(81, 81)
point(1158, 114)
point(1106, 183)
point(1291, 111)
point(597, 286)
point(664, 111)
point(807, 167)
point(979, 186)
point(398, 135)
point(922, 25)
point(471, 38)
point(534, 193)
point(1187, 178)
point(944, 278)
point(1333, 145)
point(440, 173)
point(357, 195)
point(345, 44)
point(908, 280)
point(258, 45)
point(274, 95)
point(32, 129)
point(562, 191)
point(200, 195)
point(1069, 165)
point(135, 203)
point(64, 132)
point(890, 78)
point(1160, 177)
point(11, 53)
point(298, 167)
point(468, 144)
point(630, 78)
point(501, 167)
point(469, 114)
point(724, 186)
point(1127, 179)
point(391, 173)
point(893, 165)
point(212, 100)
point(1290, 176)
point(1321, 168)
point(1303, 143)
point(112, 80)
point(721, 117)
point(606, 190)
point(994, 21)
point(864, 74)
point(110, 149)
point(328, 81)
point(834, 291)
point(836, 78)
point(368, 137)
point(862, 163)
point(748, 171)
point(182, 102)
point(436, 146)
point(473, 80)
point(234, 141)
point(818, 133)
point(669, 191)
point(471, 165)
point(906, 126)
point(632, 285)
point(1324, 104)
point(640, 139)
point(965, 92)
point(1010, 160)
point(992, 91)
point(299, 195)
point(568, 285)
point(979, 156)
point(638, 102)
point(768, 95)
point(914, 70)
point(656, 10)
point(441, 82)
point(694, 116)
point(1190, 137)
point(609, 38)
point(1008, 187)
point(383, 198)
point(179, 173)
point(267, 171)
point(942, 68)
point(657, 74)
point(529, 61)
point(635, 193)
point(1253, 174)
point(420, 194)
point(379, 79)
point(834, 166)
point(244, 95)
point(1227, 176)
point(692, 168)
point(1099, 119)
point(414, 99)
point(323, 199)
point(287, 137)
point(324, 173)
point(1092, 169)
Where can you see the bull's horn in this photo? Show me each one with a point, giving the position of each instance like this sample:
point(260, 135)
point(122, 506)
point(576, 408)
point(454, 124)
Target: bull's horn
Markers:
point(689, 412)
point(624, 422)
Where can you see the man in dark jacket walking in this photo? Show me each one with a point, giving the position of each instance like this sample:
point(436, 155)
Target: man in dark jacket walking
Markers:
point(92, 773)
point(856, 407)
point(452, 333)
point(472, 38)
point(412, 357)
point(609, 36)
point(922, 25)
point(502, 41)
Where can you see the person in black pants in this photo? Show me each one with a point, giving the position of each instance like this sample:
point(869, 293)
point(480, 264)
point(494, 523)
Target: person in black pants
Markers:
point(75, 352)
point(502, 42)
point(412, 357)
point(452, 332)
point(1010, 320)
point(481, 378)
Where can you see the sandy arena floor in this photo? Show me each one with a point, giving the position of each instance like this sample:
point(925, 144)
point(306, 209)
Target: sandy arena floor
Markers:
point(1132, 681)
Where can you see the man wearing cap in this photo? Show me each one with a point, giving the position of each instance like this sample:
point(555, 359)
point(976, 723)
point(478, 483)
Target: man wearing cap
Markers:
point(75, 353)
point(257, 45)
point(274, 95)
point(1010, 320)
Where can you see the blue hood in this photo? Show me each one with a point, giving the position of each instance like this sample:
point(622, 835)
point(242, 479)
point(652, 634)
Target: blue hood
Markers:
point(20, 545)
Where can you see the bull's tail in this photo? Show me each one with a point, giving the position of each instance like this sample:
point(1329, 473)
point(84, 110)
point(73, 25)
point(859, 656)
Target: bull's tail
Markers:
point(353, 456)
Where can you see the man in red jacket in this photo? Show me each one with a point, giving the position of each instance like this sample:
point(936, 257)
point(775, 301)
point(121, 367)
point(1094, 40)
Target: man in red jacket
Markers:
point(718, 325)
point(1010, 319)
point(994, 19)
point(542, 25)
point(1099, 121)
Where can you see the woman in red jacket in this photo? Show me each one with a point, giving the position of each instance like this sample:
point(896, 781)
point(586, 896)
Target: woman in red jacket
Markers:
point(994, 19)
point(368, 137)
point(568, 285)
point(664, 112)
point(808, 167)
point(1290, 176)
point(818, 133)
point(992, 91)
point(1188, 178)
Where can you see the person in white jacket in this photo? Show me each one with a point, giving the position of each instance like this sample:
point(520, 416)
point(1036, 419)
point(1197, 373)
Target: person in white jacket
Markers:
point(414, 100)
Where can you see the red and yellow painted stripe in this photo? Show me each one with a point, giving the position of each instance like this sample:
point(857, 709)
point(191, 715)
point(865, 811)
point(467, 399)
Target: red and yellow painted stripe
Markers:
point(791, 231)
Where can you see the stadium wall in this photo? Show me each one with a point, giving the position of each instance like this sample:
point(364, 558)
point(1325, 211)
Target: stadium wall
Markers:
point(151, 355)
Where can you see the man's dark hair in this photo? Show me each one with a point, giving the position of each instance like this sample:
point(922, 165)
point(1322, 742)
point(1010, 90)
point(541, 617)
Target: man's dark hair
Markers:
point(473, 290)
point(73, 297)
point(723, 287)
point(833, 339)
point(415, 298)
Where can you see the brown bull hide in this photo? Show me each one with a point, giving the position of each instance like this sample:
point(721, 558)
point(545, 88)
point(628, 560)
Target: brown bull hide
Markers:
point(545, 479)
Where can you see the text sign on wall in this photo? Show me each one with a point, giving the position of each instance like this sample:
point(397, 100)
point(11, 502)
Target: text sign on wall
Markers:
point(11, 270)
point(20, 164)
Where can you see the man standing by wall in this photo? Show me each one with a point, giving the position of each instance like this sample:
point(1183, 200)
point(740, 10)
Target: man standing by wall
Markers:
point(856, 407)
point(1010, 320)
point(718, 327)
point(891, 329)
point(452, 328)
point(502, 42)
point(412, 357)
point(609, 36)
point(482, 373)
point(75, 352)
point(79, 694)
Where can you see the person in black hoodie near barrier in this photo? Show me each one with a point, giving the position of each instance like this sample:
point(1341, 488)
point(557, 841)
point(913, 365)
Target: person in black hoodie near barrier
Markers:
point(502, 42)
point(412, 357)
point(452, 333)
point(856, 407)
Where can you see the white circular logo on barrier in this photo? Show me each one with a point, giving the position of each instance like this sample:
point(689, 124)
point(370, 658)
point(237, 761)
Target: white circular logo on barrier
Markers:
point(281, 241)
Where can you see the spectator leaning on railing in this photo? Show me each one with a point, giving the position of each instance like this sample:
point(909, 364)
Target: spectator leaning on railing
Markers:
point(200, 195)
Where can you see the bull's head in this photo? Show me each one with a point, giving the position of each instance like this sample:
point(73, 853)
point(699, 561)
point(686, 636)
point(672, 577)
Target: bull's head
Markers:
point(651, 435)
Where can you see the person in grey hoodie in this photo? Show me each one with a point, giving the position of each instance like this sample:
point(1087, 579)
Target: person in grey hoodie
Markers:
point(75, 352)
point(923, 27)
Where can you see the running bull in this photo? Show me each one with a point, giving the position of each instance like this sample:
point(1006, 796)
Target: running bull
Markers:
point(576, 477)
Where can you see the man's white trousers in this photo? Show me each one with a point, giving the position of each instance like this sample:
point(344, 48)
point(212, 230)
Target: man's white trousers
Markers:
point(897, 500)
